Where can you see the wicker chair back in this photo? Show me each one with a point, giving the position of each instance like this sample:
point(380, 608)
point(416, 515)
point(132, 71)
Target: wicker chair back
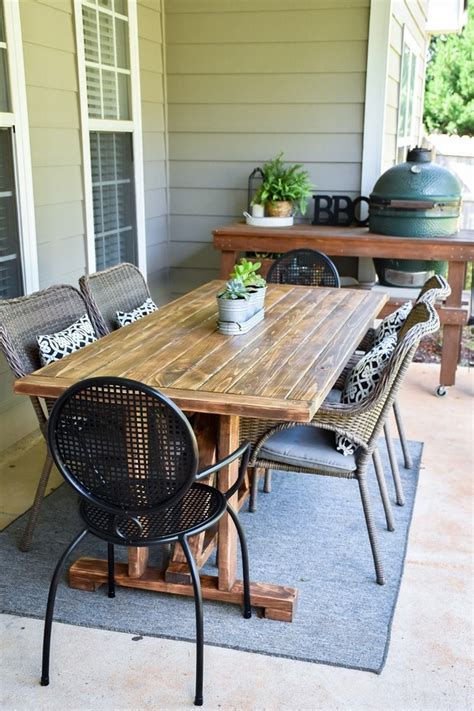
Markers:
point(436, 288)
point(119, 288)
point(305, 267)
point(22, 319)
point(122, 445)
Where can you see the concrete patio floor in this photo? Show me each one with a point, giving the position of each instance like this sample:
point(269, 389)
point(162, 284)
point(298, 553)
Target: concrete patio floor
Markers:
point(429, 663)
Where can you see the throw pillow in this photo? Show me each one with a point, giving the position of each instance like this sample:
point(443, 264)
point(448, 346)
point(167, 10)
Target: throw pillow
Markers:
point(125, 318)
point(54, 346)
point(392, 323)
point(361, 381)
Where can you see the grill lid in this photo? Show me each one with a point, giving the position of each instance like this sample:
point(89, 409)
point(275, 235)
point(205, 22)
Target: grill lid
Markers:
point(417, 184)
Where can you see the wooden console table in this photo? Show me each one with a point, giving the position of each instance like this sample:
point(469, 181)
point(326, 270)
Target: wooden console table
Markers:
point(457, 250)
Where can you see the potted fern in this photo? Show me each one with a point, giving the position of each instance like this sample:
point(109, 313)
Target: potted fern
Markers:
point(284, 190)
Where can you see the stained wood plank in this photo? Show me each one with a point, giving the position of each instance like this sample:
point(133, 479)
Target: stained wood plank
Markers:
point(321, 323)
point(178, 350)
point(89, 573)
point(238, 355)
point(345, 241)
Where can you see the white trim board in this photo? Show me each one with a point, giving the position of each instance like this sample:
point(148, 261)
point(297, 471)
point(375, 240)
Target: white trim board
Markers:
point(374, 109)
point(22, 151)
point(134, 127)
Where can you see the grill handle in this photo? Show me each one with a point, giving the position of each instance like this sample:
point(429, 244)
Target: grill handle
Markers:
point(407, 204)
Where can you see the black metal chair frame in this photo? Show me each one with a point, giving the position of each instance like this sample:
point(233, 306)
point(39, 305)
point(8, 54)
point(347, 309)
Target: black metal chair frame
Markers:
point(116, 533)
point(297, 267)
point(303, 275)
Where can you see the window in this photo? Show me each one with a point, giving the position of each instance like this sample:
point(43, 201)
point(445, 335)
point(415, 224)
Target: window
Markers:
point(407, 128)
point(18, 263)
point(111, 132)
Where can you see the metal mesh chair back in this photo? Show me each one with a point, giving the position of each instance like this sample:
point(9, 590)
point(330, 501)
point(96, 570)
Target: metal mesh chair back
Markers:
point(22, 319)
point(122, 445)
point(305, 267)
point(436, 288)
point(120, 288)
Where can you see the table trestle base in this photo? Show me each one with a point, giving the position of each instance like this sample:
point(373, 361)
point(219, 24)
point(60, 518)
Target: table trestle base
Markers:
point(278, 601)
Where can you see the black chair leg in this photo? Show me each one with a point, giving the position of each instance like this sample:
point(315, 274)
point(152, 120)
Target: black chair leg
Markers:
point(111, 569)
point(245, 562)
point(48, 622)
point(198, 699)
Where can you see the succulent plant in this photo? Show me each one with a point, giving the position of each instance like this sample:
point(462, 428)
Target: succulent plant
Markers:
point(247, 272)
point(234, 289)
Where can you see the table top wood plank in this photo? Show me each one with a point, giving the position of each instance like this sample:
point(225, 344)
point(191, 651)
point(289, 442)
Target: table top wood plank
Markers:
point(179, 350)
point(339, 350)
point(135, 337)
point(291, 367)
point(207, 346)
point(254, 356)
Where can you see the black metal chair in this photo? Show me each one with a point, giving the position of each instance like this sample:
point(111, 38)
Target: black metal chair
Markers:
point(132, 456)
point(21, 320)
point(119, 288)
point(302, 267)
point(305, 267)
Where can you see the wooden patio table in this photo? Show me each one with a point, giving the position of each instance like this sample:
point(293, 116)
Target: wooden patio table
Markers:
point(457, 250)
point(282, 369)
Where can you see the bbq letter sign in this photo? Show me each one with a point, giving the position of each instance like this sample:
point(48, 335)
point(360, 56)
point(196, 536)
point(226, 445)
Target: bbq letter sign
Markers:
point(338, 210)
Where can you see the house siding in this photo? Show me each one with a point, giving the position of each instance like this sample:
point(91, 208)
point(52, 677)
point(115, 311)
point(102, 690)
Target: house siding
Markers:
point(233, 103)
point(412, 14)
point(52, 88)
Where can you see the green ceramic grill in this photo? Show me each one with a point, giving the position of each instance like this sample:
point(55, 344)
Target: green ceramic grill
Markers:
point(414, 199)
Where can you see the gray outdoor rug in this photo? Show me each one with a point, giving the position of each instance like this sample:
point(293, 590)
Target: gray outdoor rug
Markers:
point(308, 533)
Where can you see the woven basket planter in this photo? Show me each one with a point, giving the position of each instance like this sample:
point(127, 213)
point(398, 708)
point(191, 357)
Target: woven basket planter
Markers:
point(282, 208)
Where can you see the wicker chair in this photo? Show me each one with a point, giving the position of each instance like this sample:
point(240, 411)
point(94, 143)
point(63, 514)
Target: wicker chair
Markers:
point(132, 456)
point(436, 288)
point(305, 267)
point(361, 423)
point(119, 288)
point(21, 320)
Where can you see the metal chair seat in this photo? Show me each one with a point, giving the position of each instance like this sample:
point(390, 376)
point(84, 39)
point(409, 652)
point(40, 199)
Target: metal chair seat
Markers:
point(201, 507)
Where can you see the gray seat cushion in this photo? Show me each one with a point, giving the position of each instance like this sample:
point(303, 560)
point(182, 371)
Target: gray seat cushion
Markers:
point(334, 395)
point(305, 446)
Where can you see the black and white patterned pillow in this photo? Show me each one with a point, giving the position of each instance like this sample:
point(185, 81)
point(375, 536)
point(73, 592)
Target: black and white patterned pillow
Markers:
point(54, 346)
point(125, 318)
point(392, 323)
point(361, 381)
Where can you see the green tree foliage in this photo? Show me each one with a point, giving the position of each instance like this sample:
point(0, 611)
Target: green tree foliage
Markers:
point(449, 94)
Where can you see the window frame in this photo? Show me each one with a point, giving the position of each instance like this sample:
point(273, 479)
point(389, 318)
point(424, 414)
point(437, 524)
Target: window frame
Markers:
point(133, 126)
point(413, 134)
point(17, 121)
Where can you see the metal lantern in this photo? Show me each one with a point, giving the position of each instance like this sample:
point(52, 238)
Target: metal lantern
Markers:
point(254, 182)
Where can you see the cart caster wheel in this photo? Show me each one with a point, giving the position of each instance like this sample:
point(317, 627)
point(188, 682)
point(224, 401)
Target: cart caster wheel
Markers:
point(441, 391)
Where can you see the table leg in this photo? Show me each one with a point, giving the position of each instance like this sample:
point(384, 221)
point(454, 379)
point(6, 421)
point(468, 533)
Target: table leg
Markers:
point(228, 259)
point(137, 561)
point(202, 545)
point(452, 334)
point(278, 601)
point(227, 545)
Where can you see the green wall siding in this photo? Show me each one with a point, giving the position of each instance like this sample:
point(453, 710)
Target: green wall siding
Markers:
point(246, 80)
